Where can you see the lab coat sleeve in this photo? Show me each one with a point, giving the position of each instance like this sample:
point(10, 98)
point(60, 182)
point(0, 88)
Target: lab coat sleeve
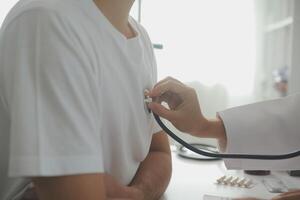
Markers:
point(270, 127)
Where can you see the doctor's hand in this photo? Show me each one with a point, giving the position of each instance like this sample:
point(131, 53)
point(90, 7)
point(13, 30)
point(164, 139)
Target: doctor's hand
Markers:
point(185, 112)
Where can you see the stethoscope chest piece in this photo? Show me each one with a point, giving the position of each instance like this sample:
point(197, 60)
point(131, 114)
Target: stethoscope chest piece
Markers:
point(147, 100)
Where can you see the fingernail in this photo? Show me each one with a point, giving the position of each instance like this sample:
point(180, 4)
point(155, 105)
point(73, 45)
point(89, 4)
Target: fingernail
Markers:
point(148, 100)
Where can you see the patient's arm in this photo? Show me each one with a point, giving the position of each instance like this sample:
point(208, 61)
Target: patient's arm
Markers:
point(149, 182)
point(154, 173)
point(71, 187)
point(78, 187)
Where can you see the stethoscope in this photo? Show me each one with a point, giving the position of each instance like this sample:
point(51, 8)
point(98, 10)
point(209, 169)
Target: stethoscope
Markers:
point(220, 155)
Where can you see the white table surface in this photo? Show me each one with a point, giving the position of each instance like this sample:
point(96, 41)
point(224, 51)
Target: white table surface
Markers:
point(192, 179)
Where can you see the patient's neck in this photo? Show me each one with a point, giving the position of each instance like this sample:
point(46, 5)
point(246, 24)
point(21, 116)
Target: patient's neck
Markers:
point(117, 12)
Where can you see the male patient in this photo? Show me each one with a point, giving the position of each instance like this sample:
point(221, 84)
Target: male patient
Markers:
point(72, 115)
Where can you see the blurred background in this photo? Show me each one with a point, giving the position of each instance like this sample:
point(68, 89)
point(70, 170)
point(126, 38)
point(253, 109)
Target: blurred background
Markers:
point(245, 47)
point(233, 52)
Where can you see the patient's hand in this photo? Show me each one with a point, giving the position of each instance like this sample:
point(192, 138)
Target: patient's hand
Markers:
point(114, 189)
point(292, 195)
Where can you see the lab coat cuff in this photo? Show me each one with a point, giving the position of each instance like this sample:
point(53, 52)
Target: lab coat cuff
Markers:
point(233, 145)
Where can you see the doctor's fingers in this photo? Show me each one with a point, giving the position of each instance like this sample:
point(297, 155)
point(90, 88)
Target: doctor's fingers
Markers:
point(169, 86)
point(173, 100)
point(162, 111)
point(169, 78)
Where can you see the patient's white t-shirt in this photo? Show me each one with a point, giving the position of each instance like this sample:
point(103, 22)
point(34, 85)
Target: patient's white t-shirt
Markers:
point(71, 94)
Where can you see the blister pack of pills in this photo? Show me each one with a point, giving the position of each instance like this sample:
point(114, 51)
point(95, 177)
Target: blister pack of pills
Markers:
point(235, 182)
point(275, 185)
point(211, 197)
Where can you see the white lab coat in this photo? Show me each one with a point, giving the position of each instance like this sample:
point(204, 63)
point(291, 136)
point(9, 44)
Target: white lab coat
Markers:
point(270, 127)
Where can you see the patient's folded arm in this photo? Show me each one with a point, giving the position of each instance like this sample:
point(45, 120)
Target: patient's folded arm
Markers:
point(76, 187)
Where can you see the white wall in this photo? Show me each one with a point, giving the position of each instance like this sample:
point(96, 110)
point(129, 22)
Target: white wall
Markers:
point(294, 85)
point(210, 41)
point(5, 6)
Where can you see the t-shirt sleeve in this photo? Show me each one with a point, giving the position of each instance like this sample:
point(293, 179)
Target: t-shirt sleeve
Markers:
point(51, 92)
point(268, 128)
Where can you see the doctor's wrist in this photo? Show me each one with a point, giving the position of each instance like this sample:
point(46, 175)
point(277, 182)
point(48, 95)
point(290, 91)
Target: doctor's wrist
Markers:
point(211, 128)
point(214, 128)
point(221, 135)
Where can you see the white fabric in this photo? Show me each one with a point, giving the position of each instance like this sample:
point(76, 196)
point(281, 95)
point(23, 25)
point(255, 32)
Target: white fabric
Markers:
point(71, 90)
point(271, 127)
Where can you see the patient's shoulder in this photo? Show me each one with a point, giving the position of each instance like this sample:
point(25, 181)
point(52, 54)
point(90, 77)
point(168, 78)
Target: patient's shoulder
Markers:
point(46, 8)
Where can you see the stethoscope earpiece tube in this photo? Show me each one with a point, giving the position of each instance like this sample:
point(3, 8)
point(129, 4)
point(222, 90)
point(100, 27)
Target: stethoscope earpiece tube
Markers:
point(219, 155)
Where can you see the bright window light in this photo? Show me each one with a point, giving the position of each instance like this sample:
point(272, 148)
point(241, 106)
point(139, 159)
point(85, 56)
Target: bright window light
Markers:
point(210, 41)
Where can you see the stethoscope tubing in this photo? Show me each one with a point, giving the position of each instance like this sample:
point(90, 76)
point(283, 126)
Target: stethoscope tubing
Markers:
point(220, 155)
